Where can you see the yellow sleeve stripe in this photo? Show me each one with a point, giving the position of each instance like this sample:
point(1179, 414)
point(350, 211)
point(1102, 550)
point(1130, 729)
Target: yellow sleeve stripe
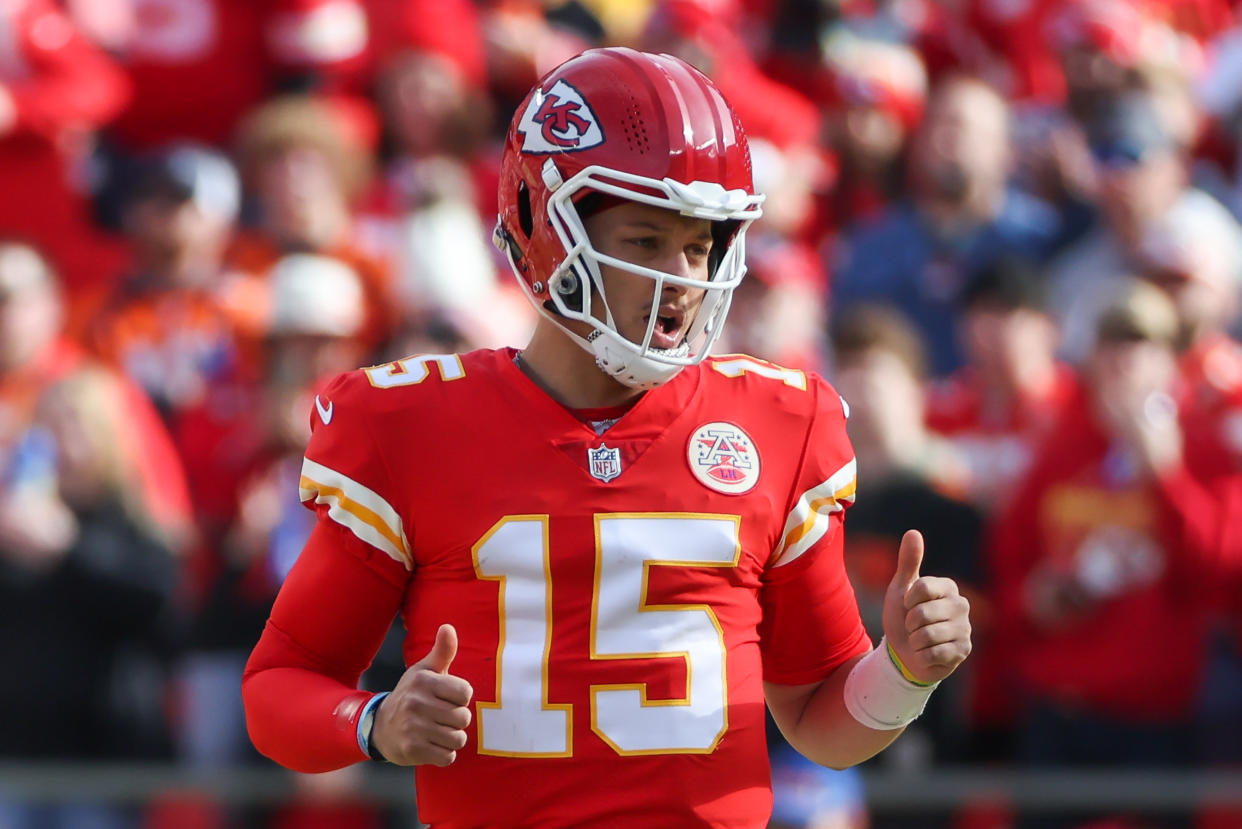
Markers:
point(809, 520)
point(357, 508)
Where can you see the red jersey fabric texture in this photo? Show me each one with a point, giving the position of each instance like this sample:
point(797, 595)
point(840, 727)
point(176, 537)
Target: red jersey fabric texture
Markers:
point(616, 632)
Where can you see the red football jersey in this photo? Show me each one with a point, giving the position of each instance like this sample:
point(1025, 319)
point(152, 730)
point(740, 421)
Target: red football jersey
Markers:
point(1210, 401)
point(619, 598)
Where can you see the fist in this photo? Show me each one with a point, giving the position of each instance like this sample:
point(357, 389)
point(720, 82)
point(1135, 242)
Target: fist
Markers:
point(424, 720)
point(926, 619)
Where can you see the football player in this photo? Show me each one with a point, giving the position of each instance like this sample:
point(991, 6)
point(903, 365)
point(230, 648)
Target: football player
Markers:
point(609, 549)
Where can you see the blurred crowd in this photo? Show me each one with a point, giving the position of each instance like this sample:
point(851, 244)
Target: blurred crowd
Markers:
point(1006, 230)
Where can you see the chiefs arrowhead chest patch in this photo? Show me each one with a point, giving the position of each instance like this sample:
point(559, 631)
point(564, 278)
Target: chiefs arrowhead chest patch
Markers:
point(723, 458)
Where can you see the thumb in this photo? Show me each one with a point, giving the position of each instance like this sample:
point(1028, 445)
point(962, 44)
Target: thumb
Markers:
point(441, 655)
point(909, 560)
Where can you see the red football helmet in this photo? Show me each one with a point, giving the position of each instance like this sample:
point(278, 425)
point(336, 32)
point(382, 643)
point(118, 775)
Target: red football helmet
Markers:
point(629, 125)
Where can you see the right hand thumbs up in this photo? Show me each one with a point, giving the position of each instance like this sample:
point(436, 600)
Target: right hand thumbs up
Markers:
point(424, 719)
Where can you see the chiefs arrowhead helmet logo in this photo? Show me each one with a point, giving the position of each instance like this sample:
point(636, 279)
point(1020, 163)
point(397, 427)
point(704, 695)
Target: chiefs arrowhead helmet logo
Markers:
point(559, 120)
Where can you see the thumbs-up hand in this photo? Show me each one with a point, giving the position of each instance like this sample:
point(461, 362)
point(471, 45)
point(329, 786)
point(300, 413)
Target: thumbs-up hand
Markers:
point(424, 719)
point(926, 619)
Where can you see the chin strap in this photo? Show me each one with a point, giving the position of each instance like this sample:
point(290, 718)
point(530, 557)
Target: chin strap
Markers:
point(630, 368)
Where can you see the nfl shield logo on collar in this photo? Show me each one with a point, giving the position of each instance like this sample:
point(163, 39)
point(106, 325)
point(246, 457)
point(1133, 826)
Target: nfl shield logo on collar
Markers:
point(604, 463)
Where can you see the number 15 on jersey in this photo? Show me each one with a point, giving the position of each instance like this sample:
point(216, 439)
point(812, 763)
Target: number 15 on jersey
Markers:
point(624, 625)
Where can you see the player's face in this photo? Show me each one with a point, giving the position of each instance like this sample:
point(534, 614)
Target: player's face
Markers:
point(661, 240)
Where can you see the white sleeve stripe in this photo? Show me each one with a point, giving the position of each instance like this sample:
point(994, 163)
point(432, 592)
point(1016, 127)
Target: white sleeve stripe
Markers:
point(809, 520)
point(357, 508)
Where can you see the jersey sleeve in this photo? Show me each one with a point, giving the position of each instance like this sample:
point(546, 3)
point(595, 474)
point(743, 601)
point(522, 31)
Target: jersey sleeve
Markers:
point(811, 623)
point(300, 687)
point(345, 477)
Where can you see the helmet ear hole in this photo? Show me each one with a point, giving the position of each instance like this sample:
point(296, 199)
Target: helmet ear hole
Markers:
point(525, 221)
point(567, 284)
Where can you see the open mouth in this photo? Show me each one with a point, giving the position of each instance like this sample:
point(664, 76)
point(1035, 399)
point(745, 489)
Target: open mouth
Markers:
point(668, 328)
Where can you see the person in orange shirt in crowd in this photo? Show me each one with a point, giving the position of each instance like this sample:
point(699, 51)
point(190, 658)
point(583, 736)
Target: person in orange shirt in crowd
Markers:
point(34, 352)
point(304, 160)
point(56, 88)
point(1097, 564)
point(998, 407)
point(163, 324)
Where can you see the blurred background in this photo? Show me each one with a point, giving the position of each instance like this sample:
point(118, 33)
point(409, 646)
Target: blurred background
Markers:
point(1007, 230)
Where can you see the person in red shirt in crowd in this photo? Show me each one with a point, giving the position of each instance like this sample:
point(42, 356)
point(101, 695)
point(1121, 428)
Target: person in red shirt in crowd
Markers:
point(1196, 258)
point(997, 409)
point(548, 609)
point(56, 89)
point(873, 97)
point(1102, 560)
point(305, 160)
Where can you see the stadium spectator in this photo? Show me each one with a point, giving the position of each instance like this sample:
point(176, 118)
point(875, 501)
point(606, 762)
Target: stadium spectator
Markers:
point(1195, 257)
point(87, 552)
point(778, 310)
point(233, 55)
point(163, 324)
point(960, 213)
point(35, 351)
point(56, 89)
point(996, 409)
point(1142, 175)
point(304, 160)
point(873, 98)
point(912, 478)
point(317, 315)
point(1094, 570)
point(430, 211)
point(706, 34)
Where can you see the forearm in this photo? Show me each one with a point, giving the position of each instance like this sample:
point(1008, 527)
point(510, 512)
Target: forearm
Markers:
point(817, 724)
point(300, 687)
point(303, 720)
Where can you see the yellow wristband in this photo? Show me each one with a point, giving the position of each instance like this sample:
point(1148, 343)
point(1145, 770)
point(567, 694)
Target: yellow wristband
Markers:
point(903, 670)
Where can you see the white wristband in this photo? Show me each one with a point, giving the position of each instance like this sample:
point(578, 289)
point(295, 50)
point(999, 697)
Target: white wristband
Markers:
point(879, 697)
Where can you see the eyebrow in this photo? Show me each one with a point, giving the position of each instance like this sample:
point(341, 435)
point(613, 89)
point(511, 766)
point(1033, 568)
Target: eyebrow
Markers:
point(644, 224)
